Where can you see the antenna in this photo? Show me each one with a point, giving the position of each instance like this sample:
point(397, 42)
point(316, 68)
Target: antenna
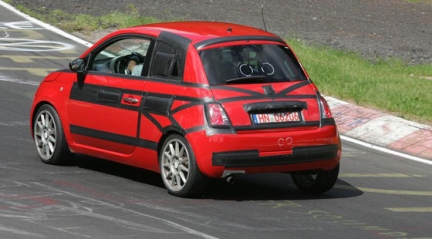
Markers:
point(262, 15)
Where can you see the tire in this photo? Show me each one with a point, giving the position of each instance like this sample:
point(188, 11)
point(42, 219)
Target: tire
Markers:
point(49, 138)
point(316, 182)
point(179, 171)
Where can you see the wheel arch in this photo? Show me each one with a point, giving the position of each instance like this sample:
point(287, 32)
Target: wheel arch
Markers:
point(168, 132)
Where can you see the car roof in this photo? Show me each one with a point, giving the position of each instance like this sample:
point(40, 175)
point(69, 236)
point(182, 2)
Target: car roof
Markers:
point(197, 31)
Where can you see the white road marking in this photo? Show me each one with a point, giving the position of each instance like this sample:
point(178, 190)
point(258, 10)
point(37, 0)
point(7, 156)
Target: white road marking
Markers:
point(15, 123)
point(30, 45)
point(385, 150)
point(19, 25)
point(410, 209)
point(386, 191)
point(45, 25)
point(7, 79)
point(378, 175)
point(164, 221)
point(6, 34)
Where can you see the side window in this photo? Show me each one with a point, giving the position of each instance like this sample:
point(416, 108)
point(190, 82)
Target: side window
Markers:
point(164, 65)
point(165, 62)
point(125, 56)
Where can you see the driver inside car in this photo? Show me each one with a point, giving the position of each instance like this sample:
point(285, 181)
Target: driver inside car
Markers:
point(135, 64)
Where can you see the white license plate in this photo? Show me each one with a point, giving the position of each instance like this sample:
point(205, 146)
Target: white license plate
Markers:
point(276, 117)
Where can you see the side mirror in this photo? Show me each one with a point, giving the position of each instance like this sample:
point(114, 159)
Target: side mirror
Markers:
point(77, 65)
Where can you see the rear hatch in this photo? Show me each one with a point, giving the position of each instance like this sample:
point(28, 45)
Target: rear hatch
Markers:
point(259, 85)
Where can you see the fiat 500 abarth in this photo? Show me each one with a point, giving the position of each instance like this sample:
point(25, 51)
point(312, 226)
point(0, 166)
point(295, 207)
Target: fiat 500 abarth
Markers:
point(191, 101)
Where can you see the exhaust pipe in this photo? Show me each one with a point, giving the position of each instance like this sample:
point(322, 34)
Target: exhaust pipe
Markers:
point(230, 179)
point(228, 175)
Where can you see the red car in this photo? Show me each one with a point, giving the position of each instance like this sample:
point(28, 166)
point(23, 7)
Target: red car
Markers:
point(192, 101)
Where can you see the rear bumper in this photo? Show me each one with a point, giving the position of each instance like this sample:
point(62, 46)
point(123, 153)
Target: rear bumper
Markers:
point(252, 158)
point(317, 149)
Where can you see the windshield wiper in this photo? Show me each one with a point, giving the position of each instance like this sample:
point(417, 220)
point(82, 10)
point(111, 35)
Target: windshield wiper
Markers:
point(247, 79)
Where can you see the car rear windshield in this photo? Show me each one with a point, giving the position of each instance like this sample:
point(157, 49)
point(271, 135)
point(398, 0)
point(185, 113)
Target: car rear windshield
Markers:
point(251, 64)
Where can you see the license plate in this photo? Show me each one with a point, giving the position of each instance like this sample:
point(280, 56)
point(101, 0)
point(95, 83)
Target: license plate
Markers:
point(276, 117)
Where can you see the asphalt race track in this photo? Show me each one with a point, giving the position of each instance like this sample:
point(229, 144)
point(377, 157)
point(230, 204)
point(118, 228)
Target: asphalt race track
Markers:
point(377, 196)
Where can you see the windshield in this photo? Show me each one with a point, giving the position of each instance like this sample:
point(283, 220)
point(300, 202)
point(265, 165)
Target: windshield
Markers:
point(251, 64)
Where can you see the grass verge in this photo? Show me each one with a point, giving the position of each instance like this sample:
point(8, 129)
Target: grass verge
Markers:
point(387, 85)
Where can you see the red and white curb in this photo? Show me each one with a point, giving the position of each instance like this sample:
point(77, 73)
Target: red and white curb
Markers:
point(382, 130)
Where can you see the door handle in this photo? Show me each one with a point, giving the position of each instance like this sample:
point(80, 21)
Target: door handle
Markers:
point(130, 100)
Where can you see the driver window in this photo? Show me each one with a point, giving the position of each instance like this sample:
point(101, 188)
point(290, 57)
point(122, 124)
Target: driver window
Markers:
point(125, 56)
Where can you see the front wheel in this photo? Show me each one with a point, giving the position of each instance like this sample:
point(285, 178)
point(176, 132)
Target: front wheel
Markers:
point(180, 173)
point(316, 182)
point(49, 137)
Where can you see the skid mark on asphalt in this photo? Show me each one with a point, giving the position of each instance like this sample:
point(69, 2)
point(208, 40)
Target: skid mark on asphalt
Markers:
point(329, 217)
point(46, 206)
point(19, 232)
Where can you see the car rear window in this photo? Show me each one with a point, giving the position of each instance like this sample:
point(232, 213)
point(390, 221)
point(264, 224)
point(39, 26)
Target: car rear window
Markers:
point(247, 63)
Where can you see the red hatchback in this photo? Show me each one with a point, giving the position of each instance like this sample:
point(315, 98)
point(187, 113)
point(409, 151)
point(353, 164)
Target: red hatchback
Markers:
point(192, 101)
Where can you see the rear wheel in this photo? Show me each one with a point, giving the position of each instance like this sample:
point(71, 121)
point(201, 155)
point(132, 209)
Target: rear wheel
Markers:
point(316, 182)
point(180, 173)
point(49, 137)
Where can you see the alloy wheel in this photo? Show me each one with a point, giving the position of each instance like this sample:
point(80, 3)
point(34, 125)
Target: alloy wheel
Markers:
point(45, 135)
point(175, 164)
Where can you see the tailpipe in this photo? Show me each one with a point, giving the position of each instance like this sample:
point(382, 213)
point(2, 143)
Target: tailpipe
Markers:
point(230, 179)
point(228, 175)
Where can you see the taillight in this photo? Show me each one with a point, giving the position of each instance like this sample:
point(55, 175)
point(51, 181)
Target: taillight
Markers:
point(216, 115)
point(325, 109)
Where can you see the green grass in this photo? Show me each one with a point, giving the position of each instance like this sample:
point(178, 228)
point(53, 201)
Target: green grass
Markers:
point(390, 85)
point(387, 85)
